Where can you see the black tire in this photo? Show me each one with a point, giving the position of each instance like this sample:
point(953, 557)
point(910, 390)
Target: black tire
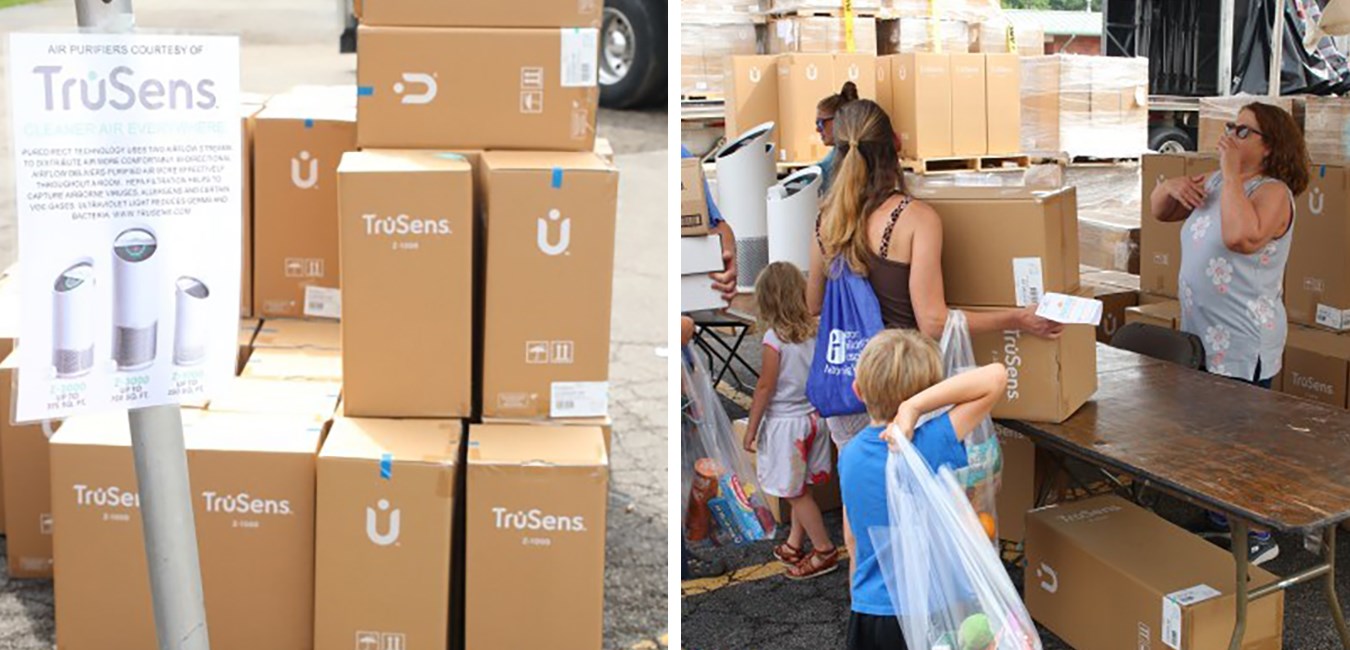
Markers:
point(1170, 139)
point(640, 82)
point(347, 43)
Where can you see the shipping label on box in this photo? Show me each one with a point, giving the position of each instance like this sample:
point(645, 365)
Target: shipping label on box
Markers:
point(550, 231)
point(407, 253)
point(533, 89)
point(296, 150)
point(385, 530)
point(535, 515)
point(693, 199)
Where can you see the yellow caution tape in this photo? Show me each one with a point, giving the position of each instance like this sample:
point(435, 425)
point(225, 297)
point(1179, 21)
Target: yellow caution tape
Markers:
point(850, 44)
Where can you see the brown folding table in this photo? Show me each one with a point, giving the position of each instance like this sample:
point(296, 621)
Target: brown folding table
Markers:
point(1257, 456)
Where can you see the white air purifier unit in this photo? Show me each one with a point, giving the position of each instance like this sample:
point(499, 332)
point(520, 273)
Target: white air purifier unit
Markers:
point(793, 204)
point(191, 320)
point(74, 305)
point(136, 285)
point(745, 171)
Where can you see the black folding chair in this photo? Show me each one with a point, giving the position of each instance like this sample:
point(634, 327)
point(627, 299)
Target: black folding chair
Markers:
point(1161, 343)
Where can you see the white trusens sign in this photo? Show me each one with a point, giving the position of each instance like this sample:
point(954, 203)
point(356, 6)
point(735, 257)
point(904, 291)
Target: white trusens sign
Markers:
point(127, 164)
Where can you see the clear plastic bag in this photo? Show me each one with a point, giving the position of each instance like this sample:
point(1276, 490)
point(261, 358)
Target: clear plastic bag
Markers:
point(723, 504)
point(946, 582)
point(981, 478)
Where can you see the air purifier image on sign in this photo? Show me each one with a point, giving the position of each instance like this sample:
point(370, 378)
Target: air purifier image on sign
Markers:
point(190, 321)
point(745, 171)
point(135, 299)
point(74, 304)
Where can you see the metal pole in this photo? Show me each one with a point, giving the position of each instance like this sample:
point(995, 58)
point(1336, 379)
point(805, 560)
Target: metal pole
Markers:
point(1276, 49)
point(161, 465)
point(1225, 47)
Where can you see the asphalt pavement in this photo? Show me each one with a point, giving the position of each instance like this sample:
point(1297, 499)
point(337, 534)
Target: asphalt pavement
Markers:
point(755, 606)
point(290, 42)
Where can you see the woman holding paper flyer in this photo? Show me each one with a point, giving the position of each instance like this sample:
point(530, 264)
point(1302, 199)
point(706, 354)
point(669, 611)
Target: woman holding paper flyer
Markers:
point(891, 239)
point(1234, 248)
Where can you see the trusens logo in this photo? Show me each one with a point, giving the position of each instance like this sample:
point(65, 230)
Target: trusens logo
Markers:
point(244, 504)
point(404, 225)
point(416, 88)
point(121, 90)
point(1049, 579)
point(536, 520)
point(545, 240)
point(373, 524)
point(114, 497)
point(305, 171)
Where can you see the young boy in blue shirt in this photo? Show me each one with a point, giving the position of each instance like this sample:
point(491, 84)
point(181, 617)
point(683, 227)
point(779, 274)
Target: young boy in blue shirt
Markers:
point(900, 378)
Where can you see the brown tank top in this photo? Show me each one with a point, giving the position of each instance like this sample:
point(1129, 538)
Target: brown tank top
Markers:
point(889, 278)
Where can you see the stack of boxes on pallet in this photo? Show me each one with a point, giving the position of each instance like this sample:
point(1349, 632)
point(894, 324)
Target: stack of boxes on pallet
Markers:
point(1085, 106)
point(350, 467)
point(710, 32)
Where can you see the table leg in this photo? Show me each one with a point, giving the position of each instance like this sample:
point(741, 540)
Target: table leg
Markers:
point(1240, 549)
point(734, 356)
point(1329, 539)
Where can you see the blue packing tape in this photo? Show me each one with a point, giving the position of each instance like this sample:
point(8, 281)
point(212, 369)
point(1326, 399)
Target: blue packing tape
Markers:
point(557, 177)
point(386, 466)
point(1322, 172)
point(365, 91)
point(309, 123)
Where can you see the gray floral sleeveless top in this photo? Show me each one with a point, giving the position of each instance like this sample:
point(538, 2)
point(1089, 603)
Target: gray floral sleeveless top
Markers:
point(1233, 302)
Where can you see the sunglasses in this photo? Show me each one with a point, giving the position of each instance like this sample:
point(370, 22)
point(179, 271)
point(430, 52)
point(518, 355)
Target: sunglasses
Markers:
point(822, 121)
point(1240, 131)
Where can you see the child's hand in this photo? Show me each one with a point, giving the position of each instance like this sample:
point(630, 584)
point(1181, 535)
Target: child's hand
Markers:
point(749, 442)
point(906, 417)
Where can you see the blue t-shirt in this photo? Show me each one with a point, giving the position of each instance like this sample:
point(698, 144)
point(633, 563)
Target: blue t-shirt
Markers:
point(862, 481)
point(826, 166)
point(714, 215)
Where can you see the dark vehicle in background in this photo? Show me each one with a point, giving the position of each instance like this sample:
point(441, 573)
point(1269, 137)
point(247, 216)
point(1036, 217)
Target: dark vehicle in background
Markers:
point(633, 50)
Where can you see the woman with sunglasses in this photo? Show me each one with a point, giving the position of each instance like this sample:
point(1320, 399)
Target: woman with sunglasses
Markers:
point(1234, 247)
point(826, 109)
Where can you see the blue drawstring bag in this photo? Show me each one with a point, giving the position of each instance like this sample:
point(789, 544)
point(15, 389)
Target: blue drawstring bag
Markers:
point(849, 318)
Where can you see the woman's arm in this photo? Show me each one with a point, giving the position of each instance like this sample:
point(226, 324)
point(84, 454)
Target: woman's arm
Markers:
point(973, 395)
point(815, 280)
point(1175, 198)
point(1251, 223)
point(764, 390)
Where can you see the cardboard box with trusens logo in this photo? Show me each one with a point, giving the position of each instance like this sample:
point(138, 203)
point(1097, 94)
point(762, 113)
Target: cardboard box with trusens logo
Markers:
point(752, 93)
point(1159, 242)
point(407, 254)
point(1105, 573)
point(1317, 279)
point(922, 88)
point(386, 505)
point(1317, 366)
point(253, 502)
point(550, 221)
point(693, 199)
point(296, 148)
point(1047, 380)
point(478, 88)
point(535, 537)
point(804, 80)
point(1006, 247)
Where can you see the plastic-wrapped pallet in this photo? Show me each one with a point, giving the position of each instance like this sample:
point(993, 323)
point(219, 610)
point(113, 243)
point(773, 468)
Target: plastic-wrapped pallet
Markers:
point(1326, 127)
point(824, 5)
point(1108, 214)
point(821, 35)
point(972, 11)
point(1215, 112)
point(906, 35)
point(699, 8)
point(1119, 108)
point(706, 42)
point(1040, 103)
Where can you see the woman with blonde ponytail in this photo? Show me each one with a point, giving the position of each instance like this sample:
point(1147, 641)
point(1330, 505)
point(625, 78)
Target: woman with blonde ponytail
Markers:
point(891, 239)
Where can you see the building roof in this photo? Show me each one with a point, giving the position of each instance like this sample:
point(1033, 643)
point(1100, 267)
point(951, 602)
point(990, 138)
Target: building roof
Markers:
point(1058, 23)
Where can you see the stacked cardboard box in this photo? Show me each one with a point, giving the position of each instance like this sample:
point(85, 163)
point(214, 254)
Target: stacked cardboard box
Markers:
point(1117, 291)
point(823, 34)
point(1104, 572)
point(24, 463)
point(804, 80)
point(1324, 121)
point(905, 35)
point(710, 32)
point(1215, 112)
point(1003, 248)
point(1159, 242)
